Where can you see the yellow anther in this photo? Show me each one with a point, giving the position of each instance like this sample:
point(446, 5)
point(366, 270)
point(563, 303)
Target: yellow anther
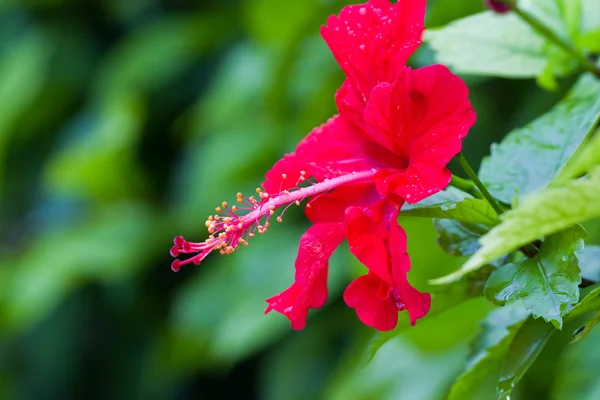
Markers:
point(239, 194)
point(222, 251)
point(240, 225)
point(224, 204)
point(234, 208)
point(279, 219)
point(308, 205)
point(258, 190)
point(297, 202)
point(302, 178)
point(302, 173)
point(271, 212)
point(218, 209)
point(284, 176)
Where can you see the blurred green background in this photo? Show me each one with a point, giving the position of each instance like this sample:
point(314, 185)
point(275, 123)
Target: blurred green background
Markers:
point(122, 125)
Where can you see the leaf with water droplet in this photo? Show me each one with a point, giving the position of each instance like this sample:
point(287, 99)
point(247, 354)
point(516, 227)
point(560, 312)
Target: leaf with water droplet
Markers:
point(456, 205)
point(547, 285)
point(583, 160)
point(458, 238)
point(544, 213)
point(585, 329)
point(529, 158)
point(589, 262)
point(488, 349)
point(524, 349)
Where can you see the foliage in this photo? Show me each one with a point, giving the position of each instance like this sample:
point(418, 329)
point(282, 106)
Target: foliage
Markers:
point(121, 123)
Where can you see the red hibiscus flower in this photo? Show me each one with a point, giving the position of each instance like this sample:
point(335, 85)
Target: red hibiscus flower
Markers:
point(396, 130)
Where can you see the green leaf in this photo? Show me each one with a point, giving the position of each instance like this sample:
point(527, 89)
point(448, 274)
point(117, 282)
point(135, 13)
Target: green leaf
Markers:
point(524, 349)
point(468, 210)
point(590, 41)
point(585, 159)
point(458, 238)
point(490, 44)
point(589, 262)
point(577, 370)
point(529, 158)
point(547, 285)
point(589, 302)
point(488, 349)
point(442, 298)
point(544, 213)
point(504, 45)
point(585, 330)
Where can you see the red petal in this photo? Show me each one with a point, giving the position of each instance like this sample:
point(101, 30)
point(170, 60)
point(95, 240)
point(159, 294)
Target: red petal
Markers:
point(367, 238)
point(310, 287)
point(331, 207)
point(416, 303)
point(364, 295)
point(372, 41)
point(425, 115)
point(333, 149)
point(414, 183)
point(290, 165)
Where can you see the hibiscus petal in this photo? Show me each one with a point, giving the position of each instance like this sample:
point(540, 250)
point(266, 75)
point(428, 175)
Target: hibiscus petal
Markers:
point(328, 151)
point(331, 207)
point(290, 165)
point(310, 287)
point(295, 301)
point(364, 295)
point(425, 114)
point(416, 303)
point(415, 183)
point(367, 241)
point(372, 41)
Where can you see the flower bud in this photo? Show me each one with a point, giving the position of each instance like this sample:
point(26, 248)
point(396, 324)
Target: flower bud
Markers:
point(499, 6)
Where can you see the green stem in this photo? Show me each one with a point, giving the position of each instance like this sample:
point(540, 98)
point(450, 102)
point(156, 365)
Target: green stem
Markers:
point(471, 174)
point(529, 250)
point(466, 186)
point(583, 61)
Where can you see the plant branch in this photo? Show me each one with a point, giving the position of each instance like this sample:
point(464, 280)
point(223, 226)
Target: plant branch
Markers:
point(529, 250)
point(567, 46)
point(466, 186)
point(471, 174)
